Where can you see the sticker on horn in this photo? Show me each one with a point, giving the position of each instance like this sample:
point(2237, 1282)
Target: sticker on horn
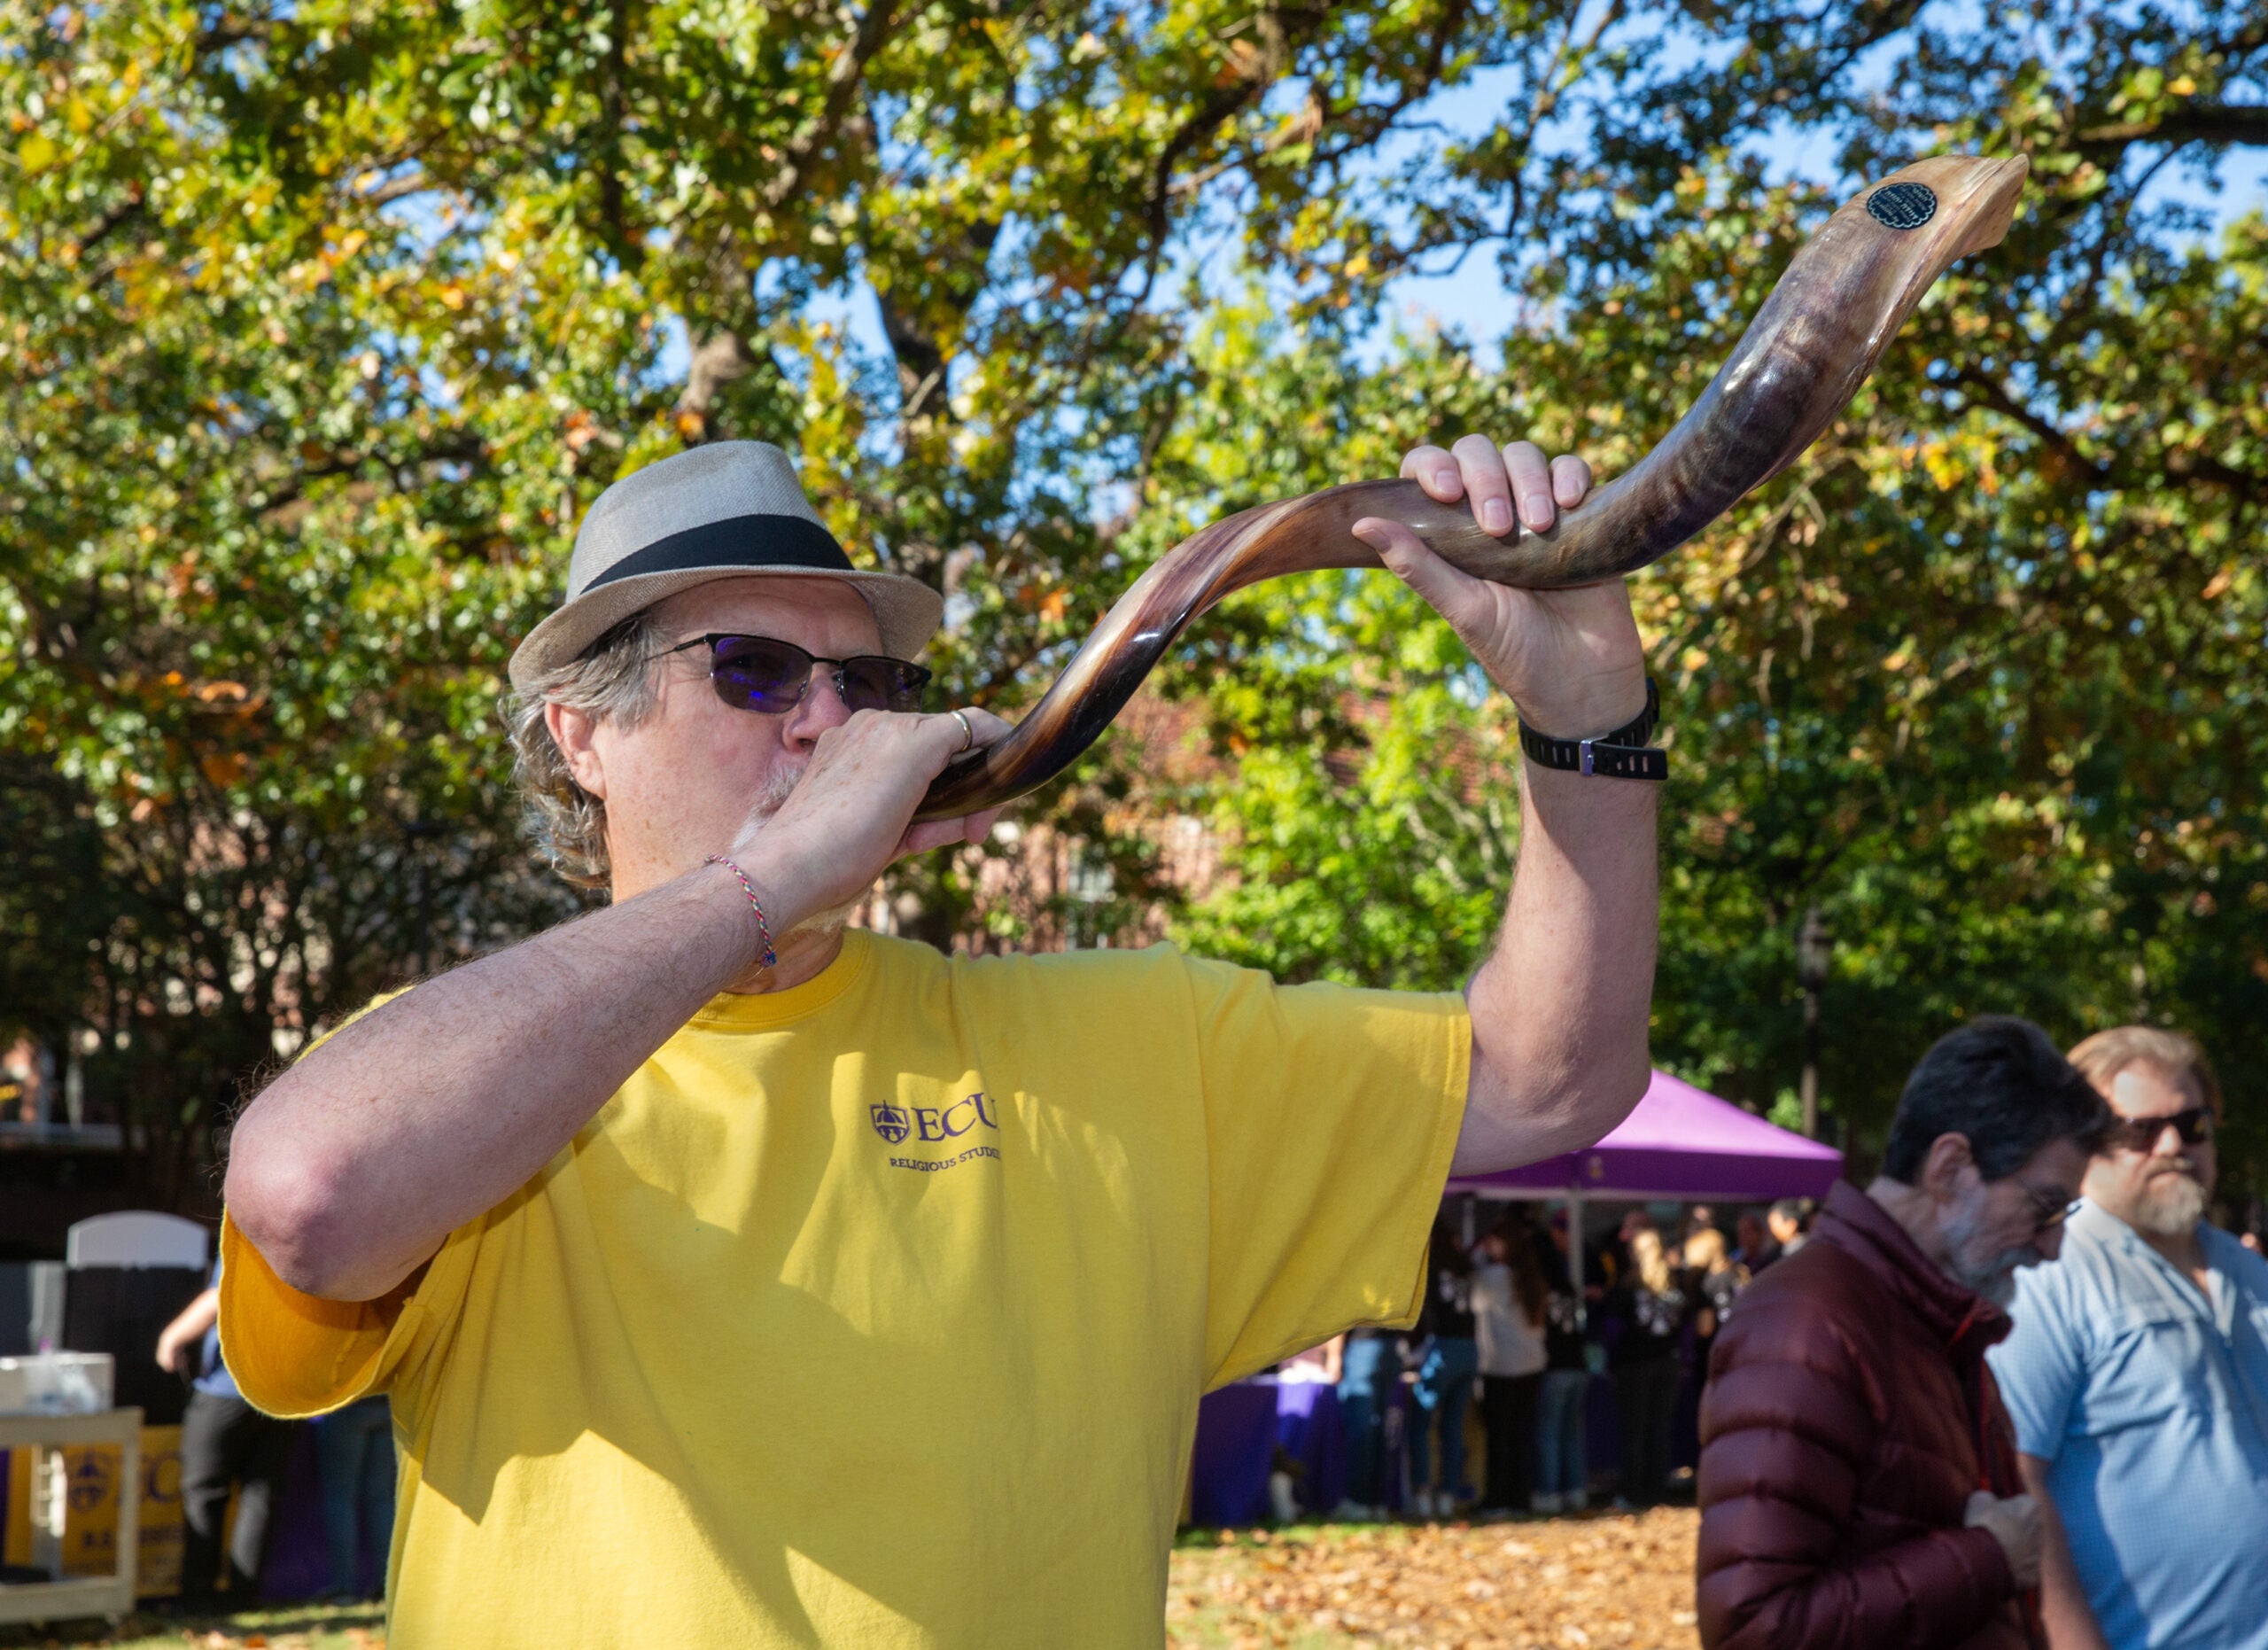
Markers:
point(1903, 205)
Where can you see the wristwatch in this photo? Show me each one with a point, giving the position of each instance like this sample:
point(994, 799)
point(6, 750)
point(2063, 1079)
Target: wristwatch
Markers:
point(1622, 754)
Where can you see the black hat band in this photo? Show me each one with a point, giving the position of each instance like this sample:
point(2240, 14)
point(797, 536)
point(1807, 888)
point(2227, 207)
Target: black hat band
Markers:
point(751, 541)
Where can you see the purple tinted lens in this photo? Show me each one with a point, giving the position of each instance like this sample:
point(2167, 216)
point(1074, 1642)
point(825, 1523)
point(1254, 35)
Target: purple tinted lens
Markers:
point(875, 683)
point(755, 673)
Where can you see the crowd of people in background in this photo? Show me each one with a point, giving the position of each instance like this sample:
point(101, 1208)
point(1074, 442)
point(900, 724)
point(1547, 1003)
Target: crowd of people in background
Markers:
point(2014, 1391)
point(1507, 1326)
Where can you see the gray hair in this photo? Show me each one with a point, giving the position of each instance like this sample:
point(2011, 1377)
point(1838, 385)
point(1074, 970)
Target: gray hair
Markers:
point(611, 680)
point(2102, 1058)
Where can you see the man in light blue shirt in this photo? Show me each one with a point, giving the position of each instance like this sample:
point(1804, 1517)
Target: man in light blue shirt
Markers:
point(2137, 1378)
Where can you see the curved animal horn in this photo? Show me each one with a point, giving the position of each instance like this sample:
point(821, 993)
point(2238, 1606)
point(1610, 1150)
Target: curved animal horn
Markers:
point(1842, 299)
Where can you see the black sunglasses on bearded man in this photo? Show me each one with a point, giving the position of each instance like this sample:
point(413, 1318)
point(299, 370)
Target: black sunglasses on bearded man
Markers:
point(2193, 1123)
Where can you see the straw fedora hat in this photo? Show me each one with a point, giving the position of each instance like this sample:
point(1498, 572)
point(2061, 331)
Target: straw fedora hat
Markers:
point(717, 511)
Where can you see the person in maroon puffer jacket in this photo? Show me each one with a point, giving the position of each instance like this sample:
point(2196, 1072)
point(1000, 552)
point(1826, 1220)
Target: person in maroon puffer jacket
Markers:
point(1859, 1485)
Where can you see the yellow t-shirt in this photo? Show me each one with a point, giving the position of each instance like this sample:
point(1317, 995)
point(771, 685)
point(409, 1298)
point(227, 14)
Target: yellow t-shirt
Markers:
point(875, 1311)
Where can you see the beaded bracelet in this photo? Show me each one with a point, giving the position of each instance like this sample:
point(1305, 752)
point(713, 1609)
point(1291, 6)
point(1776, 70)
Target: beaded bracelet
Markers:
point(762, 928)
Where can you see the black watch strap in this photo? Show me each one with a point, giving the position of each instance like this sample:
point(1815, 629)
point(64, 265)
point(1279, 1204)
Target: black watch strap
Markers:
point(1622, 754)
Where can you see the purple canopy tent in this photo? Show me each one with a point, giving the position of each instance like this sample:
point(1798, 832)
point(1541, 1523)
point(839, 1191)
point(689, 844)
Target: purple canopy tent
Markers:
point(1680, 1142)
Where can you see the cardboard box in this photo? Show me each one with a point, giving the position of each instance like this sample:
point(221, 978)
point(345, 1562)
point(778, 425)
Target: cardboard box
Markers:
point(90, 1523)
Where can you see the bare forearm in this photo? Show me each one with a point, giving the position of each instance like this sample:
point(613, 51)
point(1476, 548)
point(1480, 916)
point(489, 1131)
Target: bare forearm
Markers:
point(353, 1166)
point(1560, 1009)
point(2063, 1608)
point(188, 1329)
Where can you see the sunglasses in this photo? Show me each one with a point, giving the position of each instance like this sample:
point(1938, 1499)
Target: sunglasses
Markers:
point(2049, 1209)
point(772, 677)
point(2140, 1134)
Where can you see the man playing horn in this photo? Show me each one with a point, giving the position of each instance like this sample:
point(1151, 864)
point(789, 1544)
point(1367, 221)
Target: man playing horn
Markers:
point(745, 1280)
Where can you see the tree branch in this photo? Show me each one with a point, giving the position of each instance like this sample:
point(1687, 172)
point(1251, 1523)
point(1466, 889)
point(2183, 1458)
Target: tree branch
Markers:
point(227, 31)
point(1993, 395)
point(464, 448)
point(843, 79)
point(2179, 465)
point(717, 359)
point(401, 189)
point(2244, 124)
point(1158, 213)
point(628, 248)
point(108, 223)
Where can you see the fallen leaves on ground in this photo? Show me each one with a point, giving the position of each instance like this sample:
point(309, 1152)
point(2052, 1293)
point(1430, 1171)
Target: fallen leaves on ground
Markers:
point(1623, 1581)
point(285, 1626)
point(1613, 1581)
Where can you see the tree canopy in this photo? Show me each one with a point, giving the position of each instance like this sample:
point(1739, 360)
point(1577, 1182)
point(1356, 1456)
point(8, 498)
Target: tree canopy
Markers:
point(1978, 677)
point(322, 326)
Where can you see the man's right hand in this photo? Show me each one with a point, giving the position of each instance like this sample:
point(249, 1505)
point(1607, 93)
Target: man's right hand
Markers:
point(2014, 1521)
point(850, 816)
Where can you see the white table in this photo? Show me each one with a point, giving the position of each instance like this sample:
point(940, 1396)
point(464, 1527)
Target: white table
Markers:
point(47, 1436)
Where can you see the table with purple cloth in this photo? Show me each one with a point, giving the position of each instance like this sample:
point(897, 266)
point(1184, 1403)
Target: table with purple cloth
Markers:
point(1239, 1429)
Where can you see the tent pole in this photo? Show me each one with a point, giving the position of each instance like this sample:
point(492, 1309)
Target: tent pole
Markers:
point(1575, 1253)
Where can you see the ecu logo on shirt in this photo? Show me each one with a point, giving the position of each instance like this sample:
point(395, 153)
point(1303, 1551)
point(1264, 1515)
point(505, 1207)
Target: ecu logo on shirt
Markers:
point(947, 1122)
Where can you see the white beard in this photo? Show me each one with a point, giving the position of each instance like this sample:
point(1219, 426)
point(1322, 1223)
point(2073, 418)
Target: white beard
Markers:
point(2169, 1206)
point(1995, 1278)
point(776, 790)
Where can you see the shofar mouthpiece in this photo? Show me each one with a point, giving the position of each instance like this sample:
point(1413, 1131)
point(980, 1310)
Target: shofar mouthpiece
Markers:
point(1827, 320)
